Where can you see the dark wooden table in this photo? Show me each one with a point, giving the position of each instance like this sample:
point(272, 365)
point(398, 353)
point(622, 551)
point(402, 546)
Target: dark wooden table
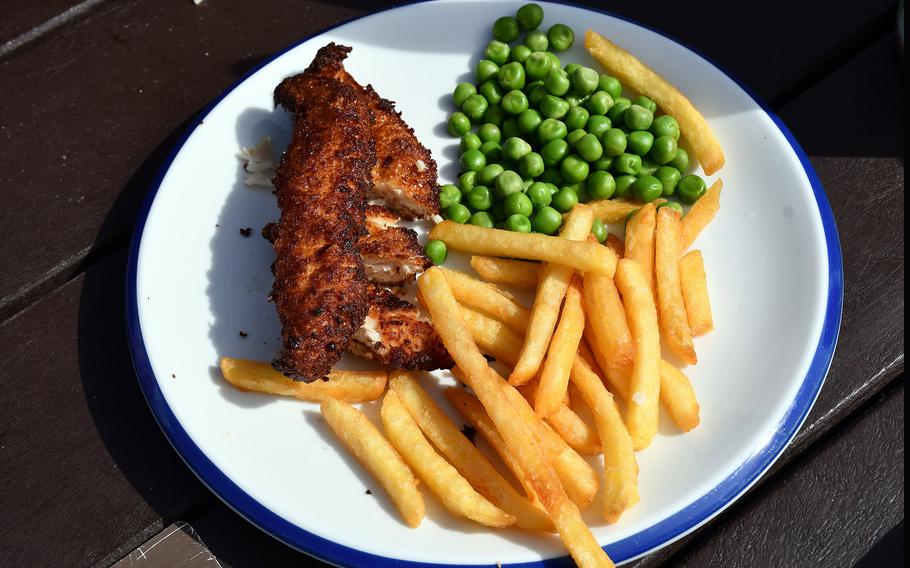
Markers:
point(93, 95)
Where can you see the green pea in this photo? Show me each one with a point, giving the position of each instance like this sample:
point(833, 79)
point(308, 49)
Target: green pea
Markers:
point(574, 99)
point(539, 194)
point(520, 53)
point(672, 205)
point(506, 29)
point(512, 76)
point(611, 85)
point(645, 102)
point(551, 176)
point(463, 91)
point(529, 121)
point(588, 147)
point(573, 168)
point(459, 124)
point(508, 183)
point(584, 80)
point(547, 220)
point(526, 183)
point(514, 148)
point(627, 163)
point(536, 95)
point(570, 68)
point(669, 177)
point(487, 176)
point(554, 151)
point(510, 128)
point(436, 251)
point(614, 142)
point(491, 91)
point(551, 129)
point(665, 125)
point(598, 124)
point(531, 165)
point(470, 141)
point(691, 188)
point(648, 167)
point(573, 137)
point(618, 109)
point(638, 117)
point(474, 107)
point(624, 186)
point(481, 219)
point(457, 213)
point(600, 185)
point(497, 52)
point(538, 66)
point(602, 165)
point(491, 151)
point(518, 204)
point(537, 40)
point(599, 230)
point(599, 103)
point(565, 200)
point(515, 102)
point(489, 133)
point(561, 37)
point(518, 223)
point(553, 107)
point(529, 16)
point(681, 161)
point(664, 149)
point(449, 195)
point(582, 192)
point(647, 188)
point(467, 181)
point(576, 118)
point(498, 211)
point(557, 64)
point(485, 70)
point(640, 142)
point(557, 82)
point(494, 115)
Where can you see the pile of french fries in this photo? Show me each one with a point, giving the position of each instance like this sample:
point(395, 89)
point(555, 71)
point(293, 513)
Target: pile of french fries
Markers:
point(583, 371)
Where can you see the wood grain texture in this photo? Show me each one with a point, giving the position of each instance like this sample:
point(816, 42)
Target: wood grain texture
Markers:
point(22, 16)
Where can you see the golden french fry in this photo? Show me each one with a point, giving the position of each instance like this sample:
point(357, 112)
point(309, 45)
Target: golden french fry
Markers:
point(674, 323)
point(620, 467)
point(694, 284)
point(493, 337)
point(616, 244)
point(639, 77)
point(554, 379)
point(487, 298)
point(444, 480)
point(580, 436)
point(644, 383)
point(518, 273)
point(554, 281)
point(698, 217)
point(613, 210)
point(516, 432)
point(530, 246)
point(375, 453)
point(350, 386)
point(678, 397)
point(640, 240)
point(466, 458)
point(617, 376)
point(606, 317)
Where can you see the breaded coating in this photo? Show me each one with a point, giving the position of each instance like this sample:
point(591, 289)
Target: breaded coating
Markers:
point(391, 255)
point(322, 183)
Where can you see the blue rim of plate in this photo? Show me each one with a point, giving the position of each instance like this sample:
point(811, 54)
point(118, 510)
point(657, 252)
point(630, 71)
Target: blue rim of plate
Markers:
point(656, 536)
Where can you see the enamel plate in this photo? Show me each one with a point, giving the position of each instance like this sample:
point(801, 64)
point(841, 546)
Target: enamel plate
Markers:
point(195, 283)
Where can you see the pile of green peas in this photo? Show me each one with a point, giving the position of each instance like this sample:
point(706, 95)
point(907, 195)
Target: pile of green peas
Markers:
point(538, 138)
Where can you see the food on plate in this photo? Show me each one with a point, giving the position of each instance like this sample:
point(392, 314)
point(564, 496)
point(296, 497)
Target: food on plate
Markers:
point(640, 240)
point(613, 210)
point(518, 273)
point(580, 436)
point(493, 337)
point(700, 215)
point(674, 323)
point(554, 377)
point(349, 386)
point(391, 254)
point(607, 321)
point(694, 284)
point(443, 480)
point(487, 298)
point(375, 453)
point(692, 125)
point(678, 396)
point(616, 244)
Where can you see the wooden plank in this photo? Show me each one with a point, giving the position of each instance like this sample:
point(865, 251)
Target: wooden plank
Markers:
point(177, 545)
point(28, 20)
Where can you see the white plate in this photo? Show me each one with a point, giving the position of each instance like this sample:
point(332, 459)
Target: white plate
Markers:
point(772, 256)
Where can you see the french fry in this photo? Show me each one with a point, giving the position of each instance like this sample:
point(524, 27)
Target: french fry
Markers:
point(488, 386)
point(639, 77)
point(375, 453)
point(606, 317)
point(493, 337)
point(518, 273)
point(620, 467)
point(674, 323)
point(466, 458)
point(568, 424)
point(640, 240)
point(554, 378)
point(613, 210)
point(700, 215)
point(678, 397)
point(554, 281)
point(617, 377)
point(453, 490)
point(616, 244)
point(644, 383)
point(350, 386)
point(694, 284)
point(487, 298)
point(530, 246)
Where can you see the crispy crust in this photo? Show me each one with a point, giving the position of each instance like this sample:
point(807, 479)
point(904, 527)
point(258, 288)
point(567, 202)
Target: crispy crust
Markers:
point(321, 183)
point(392, 255)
